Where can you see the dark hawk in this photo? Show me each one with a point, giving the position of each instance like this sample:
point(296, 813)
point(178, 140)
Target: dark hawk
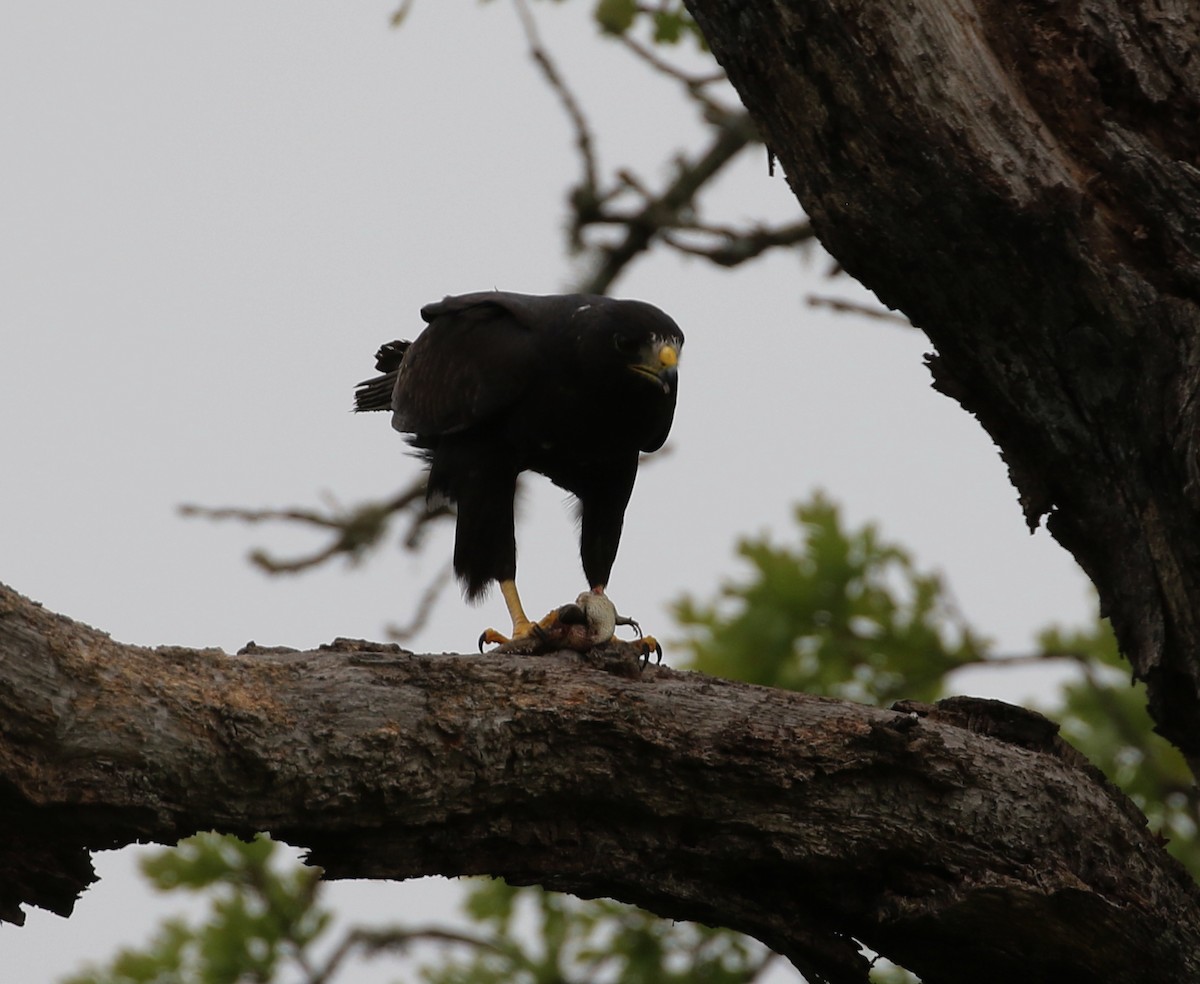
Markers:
point(574, 387)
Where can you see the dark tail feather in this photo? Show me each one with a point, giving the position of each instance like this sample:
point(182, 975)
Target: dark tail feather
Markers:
point(376, 394)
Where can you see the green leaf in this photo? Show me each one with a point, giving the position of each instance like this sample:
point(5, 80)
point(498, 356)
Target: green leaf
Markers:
point(842, 613)
point(615, 16)
point(262, 915)
point(670, 26)
point(1104, 715)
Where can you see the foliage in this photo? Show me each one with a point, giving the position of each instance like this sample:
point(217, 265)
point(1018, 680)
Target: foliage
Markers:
point(1104, 715)
point(261, 917)
point(579, 942)
point(844, 614)
point(669, 20)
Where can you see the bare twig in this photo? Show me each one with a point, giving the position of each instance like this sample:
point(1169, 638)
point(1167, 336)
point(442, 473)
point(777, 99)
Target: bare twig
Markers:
point(695, 84)
point(654, 214)
point(1026, 659)
point(401, 12)
point(357, 529)
point(738, 245)
point(583, 134)
point(842, 306)
point(420, 617)
point(373, 942)
point(642, 228)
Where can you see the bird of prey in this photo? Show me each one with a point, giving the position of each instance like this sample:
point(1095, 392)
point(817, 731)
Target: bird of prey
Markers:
point(574, 387)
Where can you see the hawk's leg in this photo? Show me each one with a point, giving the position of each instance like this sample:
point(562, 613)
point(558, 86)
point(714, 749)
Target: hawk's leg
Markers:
point(521, 626)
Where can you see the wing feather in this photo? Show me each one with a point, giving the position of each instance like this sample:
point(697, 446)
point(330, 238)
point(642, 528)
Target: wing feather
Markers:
point(480, 353)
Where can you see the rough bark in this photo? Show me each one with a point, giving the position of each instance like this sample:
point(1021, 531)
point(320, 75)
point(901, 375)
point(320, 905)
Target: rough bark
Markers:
point(1020, 178)
point(964, 835)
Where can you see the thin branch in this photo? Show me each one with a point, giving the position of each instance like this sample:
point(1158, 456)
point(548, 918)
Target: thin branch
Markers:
point(694, 84)
point(842, 306)
point(373, 942)
point(739, 246)
point(400, 13)
point(733, 134)
point(1025, 659)
point(420, 617)
point(583, 135)
point(357, 530)
point(656, 212)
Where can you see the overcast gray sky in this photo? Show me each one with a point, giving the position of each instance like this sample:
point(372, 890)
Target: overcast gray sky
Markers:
point(210, 217)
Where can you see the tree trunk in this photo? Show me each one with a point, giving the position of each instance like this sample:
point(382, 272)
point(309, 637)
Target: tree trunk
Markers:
point(1020, 178)
point(964, 835)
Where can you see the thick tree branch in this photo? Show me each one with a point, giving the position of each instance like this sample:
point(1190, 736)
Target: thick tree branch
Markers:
point(1023, 181)
point(808, 823)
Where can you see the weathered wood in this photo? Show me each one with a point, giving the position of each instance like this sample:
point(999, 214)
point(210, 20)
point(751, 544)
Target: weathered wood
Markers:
point(961, 835)
point(1022, 179)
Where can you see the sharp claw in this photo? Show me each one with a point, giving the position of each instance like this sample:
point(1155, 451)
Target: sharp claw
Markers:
point(650, 645)
point(631, 622)
point(577, 626)
point(491, 636)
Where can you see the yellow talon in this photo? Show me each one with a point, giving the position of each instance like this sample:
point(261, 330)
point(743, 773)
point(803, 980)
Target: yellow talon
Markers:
point(650, 645)
point(491, 637)
point(522, 627)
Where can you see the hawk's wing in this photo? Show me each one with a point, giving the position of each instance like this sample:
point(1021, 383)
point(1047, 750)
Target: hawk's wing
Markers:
point(480, 353)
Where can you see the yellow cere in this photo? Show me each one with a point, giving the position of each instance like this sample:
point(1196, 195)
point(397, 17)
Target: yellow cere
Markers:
point(668, 356)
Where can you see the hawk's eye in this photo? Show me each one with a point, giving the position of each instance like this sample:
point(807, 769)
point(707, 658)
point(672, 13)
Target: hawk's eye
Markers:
point(625, 345)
